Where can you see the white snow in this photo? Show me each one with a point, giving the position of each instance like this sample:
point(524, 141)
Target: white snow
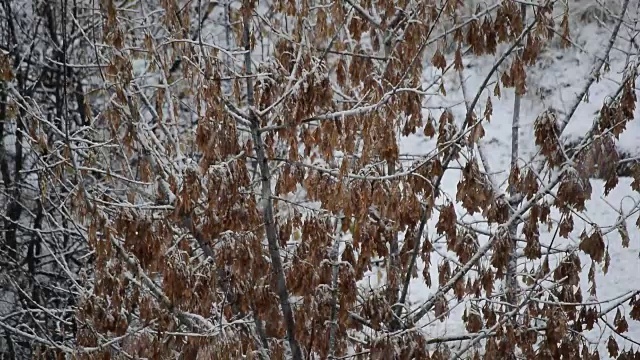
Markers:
point(552, 83)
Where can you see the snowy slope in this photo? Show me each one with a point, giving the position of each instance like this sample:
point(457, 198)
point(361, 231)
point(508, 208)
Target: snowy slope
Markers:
point(553, 83)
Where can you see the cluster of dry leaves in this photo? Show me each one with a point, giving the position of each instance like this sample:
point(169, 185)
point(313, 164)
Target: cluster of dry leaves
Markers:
point(235, 191)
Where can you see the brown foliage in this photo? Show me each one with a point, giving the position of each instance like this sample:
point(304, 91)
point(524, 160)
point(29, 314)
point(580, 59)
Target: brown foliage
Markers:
point(246, 195)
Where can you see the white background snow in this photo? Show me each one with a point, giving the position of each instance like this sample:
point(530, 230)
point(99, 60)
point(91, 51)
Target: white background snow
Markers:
point(552, 83)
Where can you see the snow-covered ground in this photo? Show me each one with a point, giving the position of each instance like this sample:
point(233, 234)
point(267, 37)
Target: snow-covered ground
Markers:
point(552, 83)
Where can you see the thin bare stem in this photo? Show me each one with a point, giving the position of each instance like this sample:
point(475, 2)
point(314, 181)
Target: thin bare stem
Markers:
point(266, 202)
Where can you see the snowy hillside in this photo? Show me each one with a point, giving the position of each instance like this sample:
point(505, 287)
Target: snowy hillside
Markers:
point(552, 84)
